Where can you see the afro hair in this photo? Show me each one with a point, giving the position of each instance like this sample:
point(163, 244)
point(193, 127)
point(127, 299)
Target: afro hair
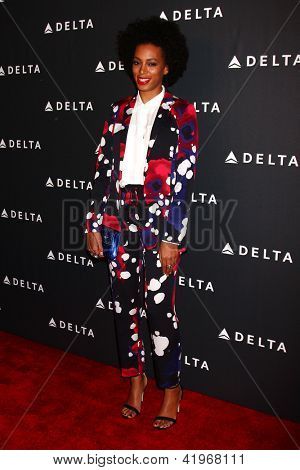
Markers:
point(162, 33)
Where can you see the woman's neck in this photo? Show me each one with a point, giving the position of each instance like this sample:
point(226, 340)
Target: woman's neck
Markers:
point(148, 95)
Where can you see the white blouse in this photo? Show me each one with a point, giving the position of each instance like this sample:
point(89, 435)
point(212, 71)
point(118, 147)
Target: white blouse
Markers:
point(138, 136)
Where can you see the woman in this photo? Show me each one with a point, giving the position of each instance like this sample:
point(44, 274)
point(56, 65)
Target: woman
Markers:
point(142, 188)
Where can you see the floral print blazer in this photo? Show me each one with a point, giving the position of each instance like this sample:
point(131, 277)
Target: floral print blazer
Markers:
point(169, 170)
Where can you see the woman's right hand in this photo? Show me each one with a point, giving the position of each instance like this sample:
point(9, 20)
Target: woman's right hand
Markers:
point(94, 244)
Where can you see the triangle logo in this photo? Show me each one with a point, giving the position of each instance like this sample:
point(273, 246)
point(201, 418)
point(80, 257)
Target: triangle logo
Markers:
point(224, 335)
point(48, 29)
point(234, 63)
point(100, 67)
point(231, 158)
point(227, 250)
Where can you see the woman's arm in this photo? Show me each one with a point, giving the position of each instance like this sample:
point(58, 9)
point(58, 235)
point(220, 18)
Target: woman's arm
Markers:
point(102, 172)
point(183, 174)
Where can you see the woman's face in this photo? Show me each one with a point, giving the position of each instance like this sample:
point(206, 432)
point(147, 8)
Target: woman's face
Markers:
point(148, 67)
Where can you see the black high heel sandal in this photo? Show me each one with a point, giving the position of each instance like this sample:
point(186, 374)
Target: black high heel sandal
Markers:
point(168, 418)
point(132, 408)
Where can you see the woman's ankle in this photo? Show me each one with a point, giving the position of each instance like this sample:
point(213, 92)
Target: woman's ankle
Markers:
point(173, 387)
point(137, 379)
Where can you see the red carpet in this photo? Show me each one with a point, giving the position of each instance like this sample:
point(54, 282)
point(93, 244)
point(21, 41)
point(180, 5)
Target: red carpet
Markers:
point(78, 408)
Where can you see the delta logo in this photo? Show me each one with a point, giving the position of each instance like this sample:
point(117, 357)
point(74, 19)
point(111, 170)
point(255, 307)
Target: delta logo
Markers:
point(274, 60)
point(256, 341)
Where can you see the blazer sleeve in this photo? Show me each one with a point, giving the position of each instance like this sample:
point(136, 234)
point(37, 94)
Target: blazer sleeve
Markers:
point(99, 193)
point(182, 176)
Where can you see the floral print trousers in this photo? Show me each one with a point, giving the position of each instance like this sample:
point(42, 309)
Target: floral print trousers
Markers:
point(140, 288)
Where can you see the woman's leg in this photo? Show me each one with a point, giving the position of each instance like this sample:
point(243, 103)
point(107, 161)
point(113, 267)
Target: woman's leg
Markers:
point(126, 274)
point(127, 297)
point(164, 327)
point(162, 319)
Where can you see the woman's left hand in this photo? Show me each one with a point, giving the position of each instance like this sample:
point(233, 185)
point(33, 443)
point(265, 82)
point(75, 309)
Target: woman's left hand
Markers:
point(168, 255)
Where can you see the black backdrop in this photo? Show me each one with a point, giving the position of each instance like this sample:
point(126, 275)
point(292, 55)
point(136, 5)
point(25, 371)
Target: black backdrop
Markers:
point(237, 298)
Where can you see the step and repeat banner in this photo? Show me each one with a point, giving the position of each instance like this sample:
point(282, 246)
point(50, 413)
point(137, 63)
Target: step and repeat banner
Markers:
point(236, 295)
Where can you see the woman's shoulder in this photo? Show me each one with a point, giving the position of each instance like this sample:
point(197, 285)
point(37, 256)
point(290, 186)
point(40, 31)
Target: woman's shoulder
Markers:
point(181, 107)
point(122, 101)
point(182, 101)
point(178, 105)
